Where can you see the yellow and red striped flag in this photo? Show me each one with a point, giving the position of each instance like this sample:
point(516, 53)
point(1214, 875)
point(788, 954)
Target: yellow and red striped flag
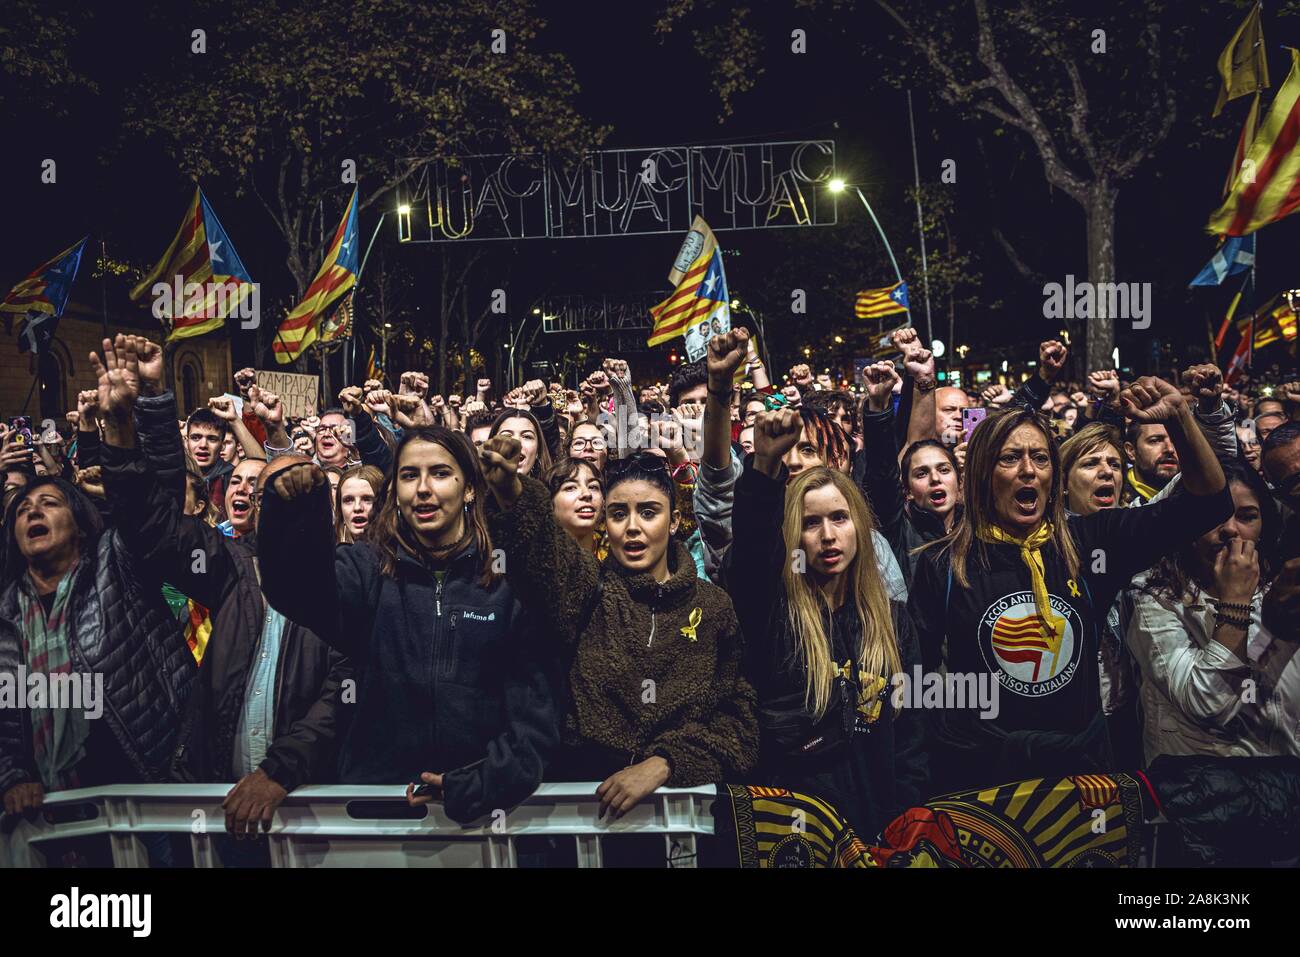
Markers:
point(1275, 322)
point(1247, 137)
point(1267, 186)
point(874, 303)
point(201, 254)
point(701, 287)
point(337, 274)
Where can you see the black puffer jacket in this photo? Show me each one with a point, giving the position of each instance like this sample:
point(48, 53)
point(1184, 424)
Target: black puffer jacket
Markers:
point(123, 630)
point(219, 573)
point(1231, 812)
point(449, 672)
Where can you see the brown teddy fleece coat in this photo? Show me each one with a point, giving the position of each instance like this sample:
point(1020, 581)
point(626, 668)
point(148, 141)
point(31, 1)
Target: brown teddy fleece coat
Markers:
point(638, 683)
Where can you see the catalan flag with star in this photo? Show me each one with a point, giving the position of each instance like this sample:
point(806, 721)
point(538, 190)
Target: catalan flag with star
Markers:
point(39, 299)
point(337, 275)
point(201, 253)
point(701, 288)
point(874, 303)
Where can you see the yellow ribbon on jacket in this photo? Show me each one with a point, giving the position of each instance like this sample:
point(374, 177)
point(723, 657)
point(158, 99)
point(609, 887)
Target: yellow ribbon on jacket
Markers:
point(1031, 554)
point(688, 630)
point(1142, 488)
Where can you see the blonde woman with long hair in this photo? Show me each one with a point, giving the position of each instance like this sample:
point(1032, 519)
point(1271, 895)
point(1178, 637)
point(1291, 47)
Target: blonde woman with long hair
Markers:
point(823, 639)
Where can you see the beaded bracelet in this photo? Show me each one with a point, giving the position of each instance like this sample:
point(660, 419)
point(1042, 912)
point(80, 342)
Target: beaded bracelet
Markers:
point(1221, 619)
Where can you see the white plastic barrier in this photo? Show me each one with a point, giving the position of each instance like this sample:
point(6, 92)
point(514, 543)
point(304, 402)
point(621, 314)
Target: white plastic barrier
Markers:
point(328, 826)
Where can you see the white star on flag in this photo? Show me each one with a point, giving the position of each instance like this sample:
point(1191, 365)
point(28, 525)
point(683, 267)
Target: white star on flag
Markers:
point(709, 284)
point(212, 249)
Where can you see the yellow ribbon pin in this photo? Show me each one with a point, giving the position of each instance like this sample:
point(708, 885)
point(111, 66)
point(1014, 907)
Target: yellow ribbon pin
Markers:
point(697, 615)
point(1074, 589)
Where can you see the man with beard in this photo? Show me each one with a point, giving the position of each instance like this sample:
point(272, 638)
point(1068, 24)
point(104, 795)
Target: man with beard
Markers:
point(265, 710)
point(1151, 451)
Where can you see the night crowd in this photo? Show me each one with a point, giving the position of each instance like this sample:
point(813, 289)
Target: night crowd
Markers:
point(719, 579)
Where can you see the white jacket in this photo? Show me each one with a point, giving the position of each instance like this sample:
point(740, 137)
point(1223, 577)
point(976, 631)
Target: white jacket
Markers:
point(1200, 698)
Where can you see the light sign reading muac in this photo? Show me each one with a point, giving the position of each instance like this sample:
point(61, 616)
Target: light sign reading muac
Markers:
point(622, 192)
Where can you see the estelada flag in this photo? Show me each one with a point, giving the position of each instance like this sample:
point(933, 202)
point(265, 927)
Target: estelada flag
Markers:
point(701, 286)
point(873, 303)
point(1267, 186)
point(338, 274)
point(41, 296)
point(201, 253)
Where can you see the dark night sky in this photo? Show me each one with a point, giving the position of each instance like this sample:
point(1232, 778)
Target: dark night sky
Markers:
point(134, 197)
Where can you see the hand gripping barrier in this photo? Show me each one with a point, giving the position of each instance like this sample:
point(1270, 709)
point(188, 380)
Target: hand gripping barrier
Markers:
point(360, 826)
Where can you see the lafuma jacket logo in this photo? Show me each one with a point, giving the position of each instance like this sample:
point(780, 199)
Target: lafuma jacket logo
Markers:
point(474, 616)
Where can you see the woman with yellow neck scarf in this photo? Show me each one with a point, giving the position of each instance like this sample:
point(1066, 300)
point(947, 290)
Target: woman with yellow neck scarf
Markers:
point(1012, 600)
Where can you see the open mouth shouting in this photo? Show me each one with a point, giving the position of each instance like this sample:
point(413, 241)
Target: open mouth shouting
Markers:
point(634, 551)
point(1104, 495)
point(37, 530)
point(1025, 500)
point(358, 523)
point(240, 509)
point(938, 498)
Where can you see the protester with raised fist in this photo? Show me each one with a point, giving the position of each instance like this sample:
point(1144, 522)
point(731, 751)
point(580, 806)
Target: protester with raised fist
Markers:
point(451, 693)
point(823, 639)
point(1019, 590)
point(650, 652)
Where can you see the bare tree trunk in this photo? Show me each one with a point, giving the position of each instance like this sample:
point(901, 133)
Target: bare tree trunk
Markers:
point(1100, 210)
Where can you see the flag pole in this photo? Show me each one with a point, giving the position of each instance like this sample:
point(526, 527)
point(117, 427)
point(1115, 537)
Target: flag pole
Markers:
point(103, 282)
point(920, 224)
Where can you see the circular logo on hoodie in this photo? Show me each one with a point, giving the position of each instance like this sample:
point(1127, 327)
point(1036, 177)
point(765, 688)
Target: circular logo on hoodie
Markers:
point(1029, 658)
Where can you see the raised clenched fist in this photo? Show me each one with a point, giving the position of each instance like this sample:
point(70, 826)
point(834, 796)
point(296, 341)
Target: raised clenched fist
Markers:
point(616, 369)
point(371, 385)
point(1206, 383)
point(920, 366)
point(379, 402)
point(775, 434)
point(1051, 358)
point(1104, 384)
point(350, 399)
point(149, 362)
point(1151, 400)
point(244, 378)
point(600, 382)
point(792, 396)
point(267, 406)
point(906, 340)
point(499, 457)
point(996, 395)
point(298, 480)
point(726, 353)
point(879, 379)
point(534, 392)
point(223, 407)
point(801, 375)
point(414, 383)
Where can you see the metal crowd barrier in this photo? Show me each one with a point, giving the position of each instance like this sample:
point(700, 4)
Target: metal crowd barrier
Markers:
point(359, 826)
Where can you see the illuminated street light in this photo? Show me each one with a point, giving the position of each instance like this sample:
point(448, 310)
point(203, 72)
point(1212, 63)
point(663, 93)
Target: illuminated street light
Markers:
point(836, 185)
point(839, 340)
